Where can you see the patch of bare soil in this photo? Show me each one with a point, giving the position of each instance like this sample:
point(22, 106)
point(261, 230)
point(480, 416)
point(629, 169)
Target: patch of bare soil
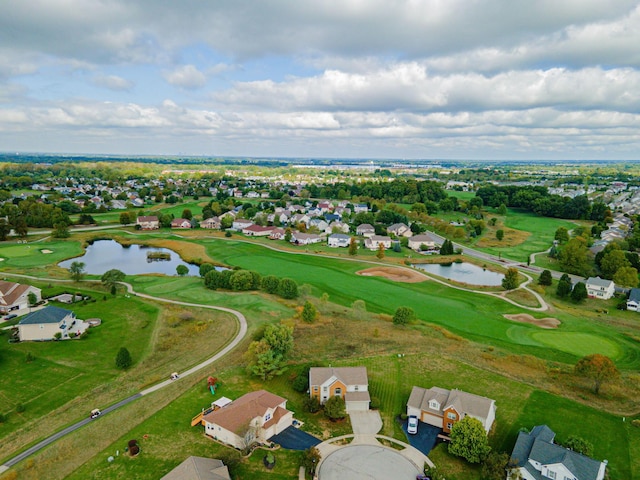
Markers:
point(540, 322)
point(393, 273)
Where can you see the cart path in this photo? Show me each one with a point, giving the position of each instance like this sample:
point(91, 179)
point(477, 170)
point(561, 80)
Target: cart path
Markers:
point(242, 332)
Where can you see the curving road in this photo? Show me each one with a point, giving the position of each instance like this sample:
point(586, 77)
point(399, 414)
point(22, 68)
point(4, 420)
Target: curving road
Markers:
point(242, 331)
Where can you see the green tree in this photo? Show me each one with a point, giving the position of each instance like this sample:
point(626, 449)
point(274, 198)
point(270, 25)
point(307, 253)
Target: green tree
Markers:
point(125, 218)
point(469, 440)
point(545, 278)
point(76, 269)
point(288, 289)
point(5, 229)
point(205, 268)
point(500, 234)
point(626, 277)
point(562, 235)
point(270, 284)
point(309, 312)
point(612, 262)
point(32, 298)
point(123, 359)
point(502, 209)
point(264, 362)
point(60, 230)
point(279, 338)
point(310, 461)
point(446, 248)
point(495, 465)
point(579, 292)
point(182, 270)
point(380, 252)
point(574, 256)
point(579, 444)
point(403, 315)
point(510, 280)
point(334, 408)
point(186, 213)
point(353, 246)
point(110, 278)
point(563, 290)
point(597, 368)
point(241, 280)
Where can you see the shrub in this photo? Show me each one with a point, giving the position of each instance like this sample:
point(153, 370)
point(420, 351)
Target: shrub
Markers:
point(403, 315)
point(123, 359)
point(288, 289)
point(3, 418)
point(135, 450)
point(57, 336)
point(132, 443)
point(301, 383)
point(334, 408)
point(20, 407)
point(311, 404)
point(29, 357)
point(309, 312)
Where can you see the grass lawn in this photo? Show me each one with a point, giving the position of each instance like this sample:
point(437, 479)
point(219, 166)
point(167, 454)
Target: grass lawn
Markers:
point(20, 256)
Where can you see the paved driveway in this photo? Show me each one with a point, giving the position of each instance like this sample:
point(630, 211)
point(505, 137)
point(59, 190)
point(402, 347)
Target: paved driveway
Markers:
point(367, 462)
point(366, 423)
point(295, 439)
point(426, 437)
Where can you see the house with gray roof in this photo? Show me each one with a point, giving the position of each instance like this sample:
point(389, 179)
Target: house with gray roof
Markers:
point(199, 468)
point(600, 288)
point(536, 457)
point(338, 240)
point(350, 383)
point(633, 302)
point(45, 323)
point(443, 408)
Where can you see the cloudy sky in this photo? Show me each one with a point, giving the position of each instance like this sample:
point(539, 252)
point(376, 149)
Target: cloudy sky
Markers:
point(433, 79)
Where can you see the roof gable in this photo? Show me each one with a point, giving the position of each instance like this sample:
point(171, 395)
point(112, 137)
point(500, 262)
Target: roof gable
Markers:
point(347, 375)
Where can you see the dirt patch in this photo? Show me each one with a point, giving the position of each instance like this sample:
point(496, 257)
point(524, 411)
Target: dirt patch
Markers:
point(540, 322)
point(393, 273)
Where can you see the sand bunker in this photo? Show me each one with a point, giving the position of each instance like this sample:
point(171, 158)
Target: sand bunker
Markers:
point(46, 251)
point(540, 322)
point(393, 273)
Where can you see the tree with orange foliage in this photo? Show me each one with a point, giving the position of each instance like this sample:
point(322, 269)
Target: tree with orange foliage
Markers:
point(598, 368)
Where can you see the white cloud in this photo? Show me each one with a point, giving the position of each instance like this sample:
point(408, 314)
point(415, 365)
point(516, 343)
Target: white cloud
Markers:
point(113, 82)
point(186, 76)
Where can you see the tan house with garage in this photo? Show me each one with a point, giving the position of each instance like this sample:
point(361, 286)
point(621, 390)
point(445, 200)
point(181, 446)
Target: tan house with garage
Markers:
point(15, 296)
point(44, 324)
point(443, 408)
point(148, 222)
point(349, 383)
point(252, 418)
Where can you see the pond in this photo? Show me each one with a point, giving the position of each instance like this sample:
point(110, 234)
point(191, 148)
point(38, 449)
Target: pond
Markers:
point(103, 255)
point(463, 273)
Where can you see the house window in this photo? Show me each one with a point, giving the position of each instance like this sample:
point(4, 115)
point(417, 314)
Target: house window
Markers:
point(434, 405)
point(449, 426)
point(324, 389)
point(452, 416)
point(267, 417)
point(355, 389)
point(315, 389)
point(551, 474)
point(338, 392)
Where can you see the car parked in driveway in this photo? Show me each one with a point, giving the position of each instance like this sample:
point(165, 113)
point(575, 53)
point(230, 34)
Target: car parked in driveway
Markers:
point(412, 425)
point(11, 316)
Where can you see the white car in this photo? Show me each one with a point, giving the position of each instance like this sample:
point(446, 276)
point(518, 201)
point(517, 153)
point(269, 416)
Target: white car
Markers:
point(95, 413)
point(412, 425)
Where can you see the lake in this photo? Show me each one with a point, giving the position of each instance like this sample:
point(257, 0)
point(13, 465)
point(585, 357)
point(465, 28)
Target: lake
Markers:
point(463, 273)
point(103, 255)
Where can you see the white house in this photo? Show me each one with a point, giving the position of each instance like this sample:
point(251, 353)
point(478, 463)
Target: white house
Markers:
point(257, 231)
point(252, 418)
point(535, 456)
point(240, 224)
point(443, 408)
point(45, 323)
point(600, 288)
point(416, 242)
point(365, 229)
point(633, 302)
point(350, 383)
point(374, 242)
point(305, 238)
point(338, 240)
point(399, 230)
point(148, 222)
point(15, 296)
point(210, 223)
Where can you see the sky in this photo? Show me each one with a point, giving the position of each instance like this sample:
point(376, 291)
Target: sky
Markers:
point(399, 79)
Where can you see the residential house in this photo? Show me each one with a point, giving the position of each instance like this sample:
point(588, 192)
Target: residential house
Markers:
point(277, 234)
point(180, 223)
point(360, 208)
point(535, 457)
point(210, 223)
point(399, 230)
point(305, 238)
point(45, 323)
point(365, 229)
point(257, 231)
point(600, 288)
point(443, 408)
point(325, 206)
point(199, 468)
point(337, 227)
point(148, 222)
point(338, 240)
point(374, 242)
point(318, 223)
point(333, 217)
point(252, 418)
point(137, 202)
point(118, 205)
point(633, 302)
point(15, 296)
point(299, 218)
point(240, 224)
point(349, 383)
point(416, 242)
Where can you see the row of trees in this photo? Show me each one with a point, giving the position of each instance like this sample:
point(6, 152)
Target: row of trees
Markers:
point(245, 280)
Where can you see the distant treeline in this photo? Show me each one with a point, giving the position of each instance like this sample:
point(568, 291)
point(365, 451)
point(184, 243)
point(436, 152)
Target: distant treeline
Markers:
point(397, 191)
point(538, 200)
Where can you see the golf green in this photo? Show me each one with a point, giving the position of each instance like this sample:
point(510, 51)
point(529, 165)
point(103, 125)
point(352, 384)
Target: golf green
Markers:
point(579, 344)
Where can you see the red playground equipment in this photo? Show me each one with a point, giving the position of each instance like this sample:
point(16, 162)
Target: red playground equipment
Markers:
point(212, 383)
